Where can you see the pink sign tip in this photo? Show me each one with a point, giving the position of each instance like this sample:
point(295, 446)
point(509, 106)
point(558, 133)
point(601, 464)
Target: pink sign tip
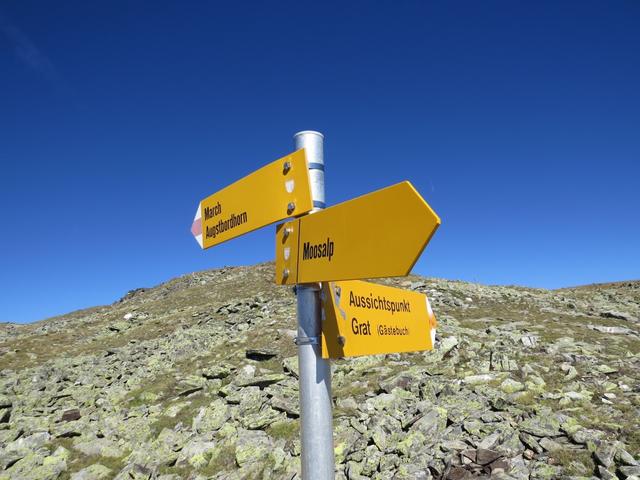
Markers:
point(196, 227)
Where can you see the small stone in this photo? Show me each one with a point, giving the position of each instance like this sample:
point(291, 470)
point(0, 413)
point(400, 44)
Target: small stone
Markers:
point(531, 442)
point(262, 381)
point(456, 445)
point(196, 453)
point(71, 415)
point(484, 456)
point(529, 341)
point(605, 453)
point(92, 472)
point(348, 404)
point(101, 447)
point(7, 459)
point(261, 354)
point(353, 470)
point(29, 443)
point(247, 371)
point(189, 391)
point(173, 410)
point(5, 415)
point(458, 473)
point(511, 386)
point(577, 396)
point(212, 417)
point(502, 362)
point(489, 441)
point(606, 474)
point(119, 327)
point(541, 426)
point(629, 470)
point(252, 446)
point(216, 372)
point(570, 371)
point(499, 466)
point(285, 405)
point(584, 436)
point(478, 379)
point(543, 470)
point(549, 445)
point(606, 369)
point(616, 314)
point(260, 420)
point(290, 366)
point(469, 454)
point(611, 330)
point(447, 344)
point(626, 458)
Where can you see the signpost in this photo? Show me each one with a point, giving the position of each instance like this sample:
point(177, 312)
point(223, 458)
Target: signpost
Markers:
point(381, 234)
point(276, 191)
point(362, 318)
point(316, 419)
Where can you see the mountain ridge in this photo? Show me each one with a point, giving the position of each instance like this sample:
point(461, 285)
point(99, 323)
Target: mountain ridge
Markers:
point(632, 283)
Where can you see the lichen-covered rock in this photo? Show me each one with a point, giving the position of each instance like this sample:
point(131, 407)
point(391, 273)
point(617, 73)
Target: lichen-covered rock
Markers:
point(92, 472)
point(211, 417)
point(196, 453)
point(511, 386)
point(99, 447)
point(40, 466)
point(29, 443)
point(252, 447)
point(541, 426)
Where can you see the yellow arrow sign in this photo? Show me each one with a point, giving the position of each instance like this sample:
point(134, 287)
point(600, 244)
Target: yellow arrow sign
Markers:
point(278, 190)
point(361, 318)
point(381, 234)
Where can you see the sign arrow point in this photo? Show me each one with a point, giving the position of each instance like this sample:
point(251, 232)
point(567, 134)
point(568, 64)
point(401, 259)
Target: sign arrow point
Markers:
point(380, 234)
point(196, 227)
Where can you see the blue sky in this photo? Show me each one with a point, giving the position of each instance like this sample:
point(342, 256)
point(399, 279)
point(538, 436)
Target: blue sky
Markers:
point(518, 122)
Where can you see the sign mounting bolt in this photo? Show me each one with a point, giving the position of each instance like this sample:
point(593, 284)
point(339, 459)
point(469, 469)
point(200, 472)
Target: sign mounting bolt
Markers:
point(341, 340)
point(286, 167)
point(287, 231)
point(285, 274)
point(291, 207)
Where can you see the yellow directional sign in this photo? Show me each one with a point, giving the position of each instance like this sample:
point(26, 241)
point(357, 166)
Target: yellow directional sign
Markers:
point(278, 190)
point(381, 234)
point(361, 318)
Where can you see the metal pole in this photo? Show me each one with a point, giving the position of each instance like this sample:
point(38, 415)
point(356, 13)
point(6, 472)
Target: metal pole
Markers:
point(316, 419)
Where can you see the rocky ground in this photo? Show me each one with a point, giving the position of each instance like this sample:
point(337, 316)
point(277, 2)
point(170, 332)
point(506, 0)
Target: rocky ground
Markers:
point(196, 378)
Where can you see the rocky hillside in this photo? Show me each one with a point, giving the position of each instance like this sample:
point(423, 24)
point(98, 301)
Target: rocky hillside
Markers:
point(196, 378)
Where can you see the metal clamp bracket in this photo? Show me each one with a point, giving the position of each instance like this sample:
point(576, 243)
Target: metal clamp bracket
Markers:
point(307, 340)
point(316, 166)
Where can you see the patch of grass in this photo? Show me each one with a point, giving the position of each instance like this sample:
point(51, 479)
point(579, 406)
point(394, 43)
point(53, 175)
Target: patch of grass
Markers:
point(525, 398)
point(571, 459)
point(185, 415)
point(351, 390)
point(77, 461)
point(286, 429)
point(182, 471)
point(223, 461)
point(162, 385)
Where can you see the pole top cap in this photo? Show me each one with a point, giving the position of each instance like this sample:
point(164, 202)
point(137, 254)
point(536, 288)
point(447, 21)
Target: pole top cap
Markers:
point(308, 132)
